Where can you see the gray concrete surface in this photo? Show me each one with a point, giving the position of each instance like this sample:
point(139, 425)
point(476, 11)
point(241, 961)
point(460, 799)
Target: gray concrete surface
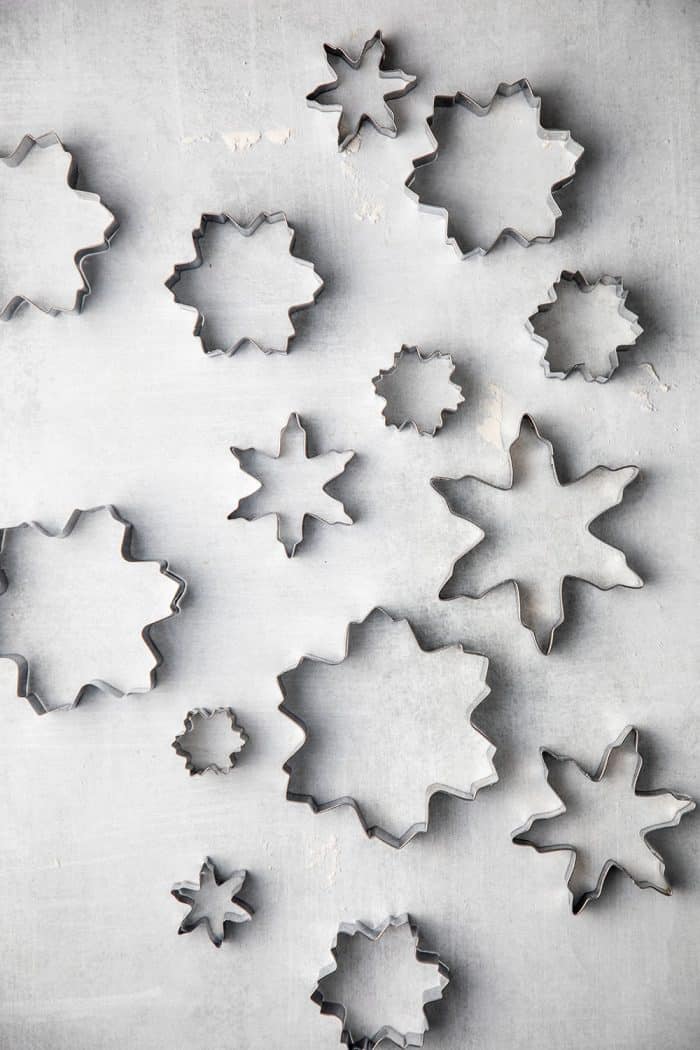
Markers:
point(173, 109)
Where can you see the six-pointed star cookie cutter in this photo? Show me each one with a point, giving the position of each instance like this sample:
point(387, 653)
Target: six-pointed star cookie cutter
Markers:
point(313, 98)
point(186, 893)
point(339, 1010)
point(547, 134)
point(518, 836)
point(180, 746)
point(545, 650)
point(13, 160)
point(24, 689)
point(585, 286)
point(248, 230)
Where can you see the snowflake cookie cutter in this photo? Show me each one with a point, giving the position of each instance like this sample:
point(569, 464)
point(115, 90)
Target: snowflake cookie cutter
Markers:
point(629, 733)
point(578, 281)
point(403, 418)
point(485, 776)
point(442, 102)
point(248, 230)
point(202, 914)
point(314, 97)
point(340, 1010)
point(183, 747)
point(80, 257)
point(24, 685)
point(632, 581)
point(290, 533)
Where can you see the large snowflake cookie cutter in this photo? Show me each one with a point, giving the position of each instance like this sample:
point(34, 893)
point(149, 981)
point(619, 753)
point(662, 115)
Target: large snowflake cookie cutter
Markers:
point(594, 355)
point(391, 927)
point(457, 757)
point(321, 469)
point(197, 754)
point(24, 678)
point(549, 136)
point(108, 226)
point(315, 282)
point(625, 752)
point(407, 377)
point(381, 119)
point(540, 599)
point(226, 909)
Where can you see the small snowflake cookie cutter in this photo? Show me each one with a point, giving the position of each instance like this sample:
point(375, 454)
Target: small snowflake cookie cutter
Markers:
point(24, 683)
point(405, 418)
point(578, 281)
point(80, 257)
point(182, 743)
point(245, 230)
point(442, 102)
point(466, 788)
point(200, 915)
point(340, 1010)
point(313, 99)
point(686, 804)
point(290, 534)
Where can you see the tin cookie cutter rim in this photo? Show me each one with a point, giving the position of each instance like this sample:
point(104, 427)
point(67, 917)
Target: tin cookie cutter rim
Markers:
point(312, 99)
point(517, 836)
point(183, 892)
point(408, 422)
point(527, 419)
point(340, 1011)
point(246, 230)
point(80, 257)
point(504, 90)
point(577, 278)
point(208, 713)
point(24, 690)
point(372, 831)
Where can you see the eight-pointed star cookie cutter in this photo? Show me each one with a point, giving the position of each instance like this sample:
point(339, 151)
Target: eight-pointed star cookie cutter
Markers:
point(246, 230)
point(313, 98)
point(339, 1010)
point(547, 134)
point(13, 160)
point(24, 689)
point(546, 649)
point(577, 278)
point(518, 836)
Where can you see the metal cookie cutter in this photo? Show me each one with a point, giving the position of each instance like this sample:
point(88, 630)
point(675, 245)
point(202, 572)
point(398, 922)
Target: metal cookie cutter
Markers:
point(367, 1040)
point(591, 366)
point(544, 638)
point(547, 134)
point(386, 126)
point(186, 745)
point(24, 685)
point(246, 231)
point(13, 160)
point(460, 768)
point(225, 909)
point(625, 747)
point(290, 525)
point(416, 365)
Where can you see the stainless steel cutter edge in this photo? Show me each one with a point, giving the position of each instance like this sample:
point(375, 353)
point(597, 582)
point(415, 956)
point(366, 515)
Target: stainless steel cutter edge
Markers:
point(312, 99)
point(594, 894)
point(482, 594)
point(23, 669)
point(179, 892)
point(585, 286)
point(504, 90)
point(207, 712)
point(339, 1010)
point(375, 830)
point(246, 230)
point(408, 423)
point(12, 160)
